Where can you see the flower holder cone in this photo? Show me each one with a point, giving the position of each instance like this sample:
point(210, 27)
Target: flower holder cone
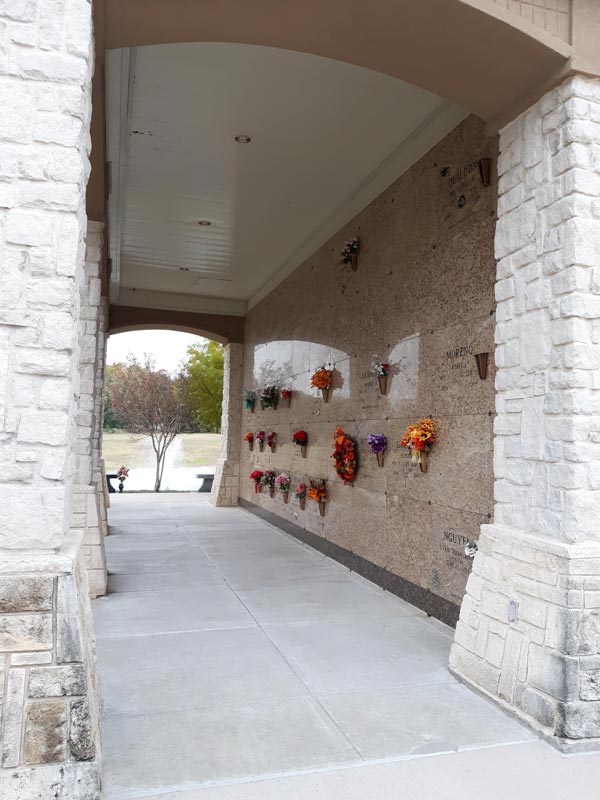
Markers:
point(271, 491)
point(303, 450)
point(423, 461)
point(322, 505)
point(251, 446)
point(252, 408)
point(354, 262)
point(261, 446)
point(272, 447)
point(380, 459)
point(382, 383)
point(326, 394)
point(302, 501)
point(286, 497)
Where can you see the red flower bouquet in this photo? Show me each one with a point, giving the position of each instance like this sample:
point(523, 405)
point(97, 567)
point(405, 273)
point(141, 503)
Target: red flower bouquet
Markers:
point(256, 476)
point(301, 439)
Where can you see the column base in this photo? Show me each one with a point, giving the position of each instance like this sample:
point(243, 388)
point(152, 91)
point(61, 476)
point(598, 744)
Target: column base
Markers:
point(226, 487)
point(529, 633)
point(87, 516)
point(50, 740)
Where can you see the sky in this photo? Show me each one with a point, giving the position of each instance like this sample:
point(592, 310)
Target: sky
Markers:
point(168, 348)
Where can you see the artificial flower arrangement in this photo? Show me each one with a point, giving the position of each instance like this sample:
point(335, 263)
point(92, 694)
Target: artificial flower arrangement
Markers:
point(349, 252)
point(272, 441)
point(122, 475)
point(269, 397)
point(268, 481)
point(260, 438)
point(249, 400)
point(322, 380)
point(378, 445)
point(344, 456)
point(249, 437)
point(301, 439)
point(256, 476)
point(318, 493)
point(282, 484)
point(382, 370)
point(286, 396)
point(418, 439)
point(300, 494)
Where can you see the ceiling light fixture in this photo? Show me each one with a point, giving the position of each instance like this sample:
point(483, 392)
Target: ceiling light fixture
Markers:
point(204, 222)
point(243, 138)
point(184, 269)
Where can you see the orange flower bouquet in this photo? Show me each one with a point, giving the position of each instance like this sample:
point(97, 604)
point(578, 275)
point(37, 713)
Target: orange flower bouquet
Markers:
point(322, 380)
point(418, 439)
point(318, 493)
point(344, 456)
point(249, 437)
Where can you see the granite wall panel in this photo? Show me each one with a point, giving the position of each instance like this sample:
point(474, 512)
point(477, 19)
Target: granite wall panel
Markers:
point(423, 299)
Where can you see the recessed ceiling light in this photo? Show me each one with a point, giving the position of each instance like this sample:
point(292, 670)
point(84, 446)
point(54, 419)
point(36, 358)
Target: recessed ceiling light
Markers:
point(243, 138)
point(184, 269)
point(204, 222)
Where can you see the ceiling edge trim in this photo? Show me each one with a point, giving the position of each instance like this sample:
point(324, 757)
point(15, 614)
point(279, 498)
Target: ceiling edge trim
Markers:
point(172, 301)
point(432, 130)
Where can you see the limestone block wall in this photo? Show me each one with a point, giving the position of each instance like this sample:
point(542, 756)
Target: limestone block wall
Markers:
point(422, 298)
point(48, 744)
point(553, 16)
point(89, 512)
point(529, 630)
point(225, 491)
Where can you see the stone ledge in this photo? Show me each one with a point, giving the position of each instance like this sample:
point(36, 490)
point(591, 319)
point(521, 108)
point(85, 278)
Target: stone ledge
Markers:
point(68, 781)
point(54, 562)
point(567, 550)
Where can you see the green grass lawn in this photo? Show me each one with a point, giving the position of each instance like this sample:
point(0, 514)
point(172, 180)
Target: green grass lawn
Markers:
point(133, 450)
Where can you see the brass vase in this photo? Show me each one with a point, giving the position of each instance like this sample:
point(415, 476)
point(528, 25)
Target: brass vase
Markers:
point(382, 383)
point(326, 394)
point(302, 502)
point(286, 497)
point(303, 450)
point(261, 445)
point(423, 461)
point(354, 262)
point(251, 446)
point(380, 459)
point(322, 507)
point(271, 491)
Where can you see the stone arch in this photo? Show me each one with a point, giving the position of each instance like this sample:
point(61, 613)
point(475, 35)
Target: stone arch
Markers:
point(223, 328)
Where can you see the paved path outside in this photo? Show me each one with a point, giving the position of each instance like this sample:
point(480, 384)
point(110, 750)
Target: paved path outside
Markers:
point(238, 664)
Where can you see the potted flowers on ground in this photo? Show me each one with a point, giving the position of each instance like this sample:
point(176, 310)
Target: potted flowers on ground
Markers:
point(122, 475)
point(382, 370)
point(269, 397)
point(378, 445)
point(249, 400)
point(344, 456)
point(419, 439)
point(300, 438)
point(249, 437)
point(260, 438)
point(256, 476)
point(282, 484)
point(272, 441)
point(318, 493)
point(268, 481)
point(300, 494)
point(322, 380)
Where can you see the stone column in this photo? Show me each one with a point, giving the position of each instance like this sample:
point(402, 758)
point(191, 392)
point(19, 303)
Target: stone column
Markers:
point(49, 745)
point(225, 491)
point(89, 511)
point(529, 630)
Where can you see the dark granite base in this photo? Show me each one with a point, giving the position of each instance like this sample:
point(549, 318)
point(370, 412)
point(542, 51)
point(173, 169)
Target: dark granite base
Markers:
point(432, 604)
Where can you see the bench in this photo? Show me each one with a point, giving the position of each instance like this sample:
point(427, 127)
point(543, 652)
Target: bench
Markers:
point(207, 481)
point(109, 476)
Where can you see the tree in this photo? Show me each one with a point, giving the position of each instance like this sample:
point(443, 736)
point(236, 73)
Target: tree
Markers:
point(205, 371)
point(110, 421)
point(150, 401)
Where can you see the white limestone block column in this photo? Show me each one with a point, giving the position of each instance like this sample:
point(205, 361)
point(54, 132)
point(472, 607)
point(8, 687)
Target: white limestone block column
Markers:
point(225, 491)
point(49, 743)
point(529, 629)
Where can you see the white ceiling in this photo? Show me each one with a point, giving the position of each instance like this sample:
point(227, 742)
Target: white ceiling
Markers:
point(327, 137)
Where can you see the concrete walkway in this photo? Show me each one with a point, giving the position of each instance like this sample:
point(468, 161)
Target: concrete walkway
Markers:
point(237, 664)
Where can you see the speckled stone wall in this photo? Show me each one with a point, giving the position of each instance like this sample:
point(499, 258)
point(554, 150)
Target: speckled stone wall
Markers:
point(423, 299)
